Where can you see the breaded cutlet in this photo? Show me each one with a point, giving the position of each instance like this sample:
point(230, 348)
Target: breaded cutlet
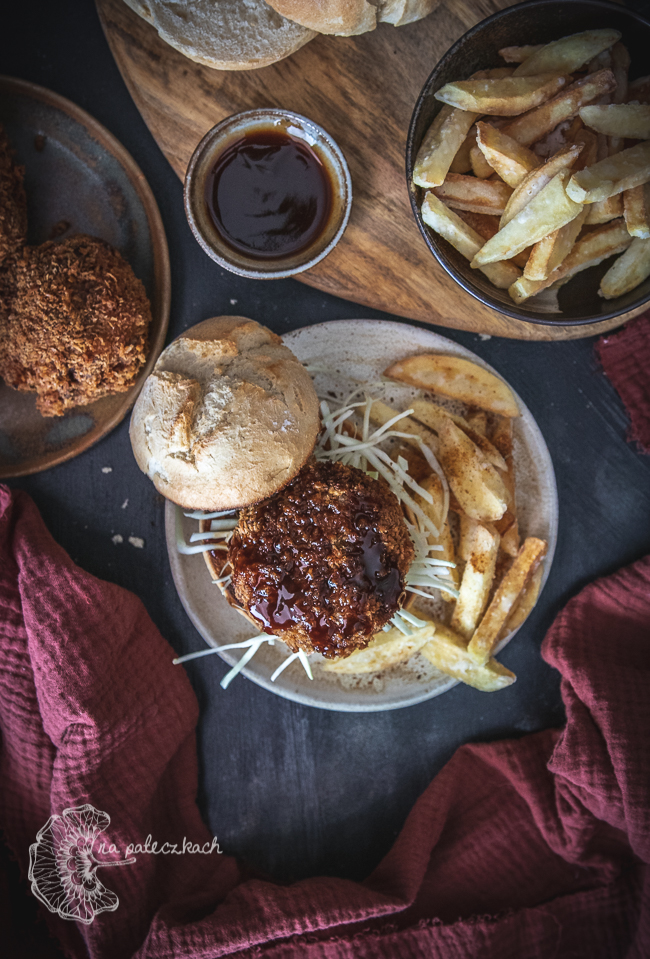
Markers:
point(13, 202)
point(76, 329)
point(321, 564)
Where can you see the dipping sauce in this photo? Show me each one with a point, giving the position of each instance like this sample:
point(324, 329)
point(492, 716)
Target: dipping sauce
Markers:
point(269, 195)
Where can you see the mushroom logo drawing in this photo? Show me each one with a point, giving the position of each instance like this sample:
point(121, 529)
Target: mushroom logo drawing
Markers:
point(63, 867)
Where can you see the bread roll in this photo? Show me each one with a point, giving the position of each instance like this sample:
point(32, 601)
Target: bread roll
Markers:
point(227, 418)
point(348, 18)
point(224, 34)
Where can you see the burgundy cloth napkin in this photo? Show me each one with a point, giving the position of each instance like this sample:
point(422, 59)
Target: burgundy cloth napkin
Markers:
point(536, 847)
point(625, 357)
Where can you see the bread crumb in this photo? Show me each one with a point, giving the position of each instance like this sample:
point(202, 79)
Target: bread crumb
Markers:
point(107, 469)
point(484, 336)
point(125, 504)
point(136, 541)
point(232, 302)
point(117, 539)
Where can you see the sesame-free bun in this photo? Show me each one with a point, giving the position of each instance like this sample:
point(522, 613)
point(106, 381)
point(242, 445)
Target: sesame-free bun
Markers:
point(348, 18)
point(227, 417)
point(224, 34)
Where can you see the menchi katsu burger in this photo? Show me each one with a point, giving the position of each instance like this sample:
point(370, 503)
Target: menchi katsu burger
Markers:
point(304, 527)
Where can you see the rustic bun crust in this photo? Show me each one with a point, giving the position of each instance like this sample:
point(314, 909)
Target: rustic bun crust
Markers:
point(224, 34)
point(347, 18)
point(227, 418)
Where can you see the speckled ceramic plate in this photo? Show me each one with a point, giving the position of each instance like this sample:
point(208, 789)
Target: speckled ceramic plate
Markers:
point(78, 179)
point(354, 351)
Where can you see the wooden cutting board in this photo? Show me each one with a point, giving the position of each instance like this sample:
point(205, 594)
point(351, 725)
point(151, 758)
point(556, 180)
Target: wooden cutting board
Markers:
point(362, 90)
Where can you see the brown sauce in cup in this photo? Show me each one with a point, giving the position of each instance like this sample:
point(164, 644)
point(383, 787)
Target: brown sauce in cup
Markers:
point(269, 195)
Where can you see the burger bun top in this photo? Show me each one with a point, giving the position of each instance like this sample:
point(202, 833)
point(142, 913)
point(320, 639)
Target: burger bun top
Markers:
point(227, 417)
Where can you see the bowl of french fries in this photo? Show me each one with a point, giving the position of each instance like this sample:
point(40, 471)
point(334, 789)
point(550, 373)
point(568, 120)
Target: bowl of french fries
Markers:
point(528, 162)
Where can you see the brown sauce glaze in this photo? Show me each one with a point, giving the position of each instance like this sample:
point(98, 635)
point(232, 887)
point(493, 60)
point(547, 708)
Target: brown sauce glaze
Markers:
point(327, 556)
point(269, 195)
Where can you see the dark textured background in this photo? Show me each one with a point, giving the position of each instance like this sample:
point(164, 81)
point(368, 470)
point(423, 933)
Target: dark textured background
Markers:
point(298, 791)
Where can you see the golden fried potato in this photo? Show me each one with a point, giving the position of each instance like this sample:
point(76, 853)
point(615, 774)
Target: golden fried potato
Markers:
point(551, 209)
point(384, 650)
point(478, 576)
point(623, 171)
point(508, 158)
point(535, 124)
point(589, 250)
point(441, 143)
point(457, 378)
point(475, 483)
point(509, 96)
point(450, 226)
point(477, 196)
point(630, 269)
point(433, 416)
point(508, 591)
point(630, 120)
point(448, 653)
point(519, 54)
point(568, 54)
point(636, 209)
point(534, 183)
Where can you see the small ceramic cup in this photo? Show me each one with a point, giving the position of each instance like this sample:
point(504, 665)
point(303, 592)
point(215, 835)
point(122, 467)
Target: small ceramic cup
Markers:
point(216, 142)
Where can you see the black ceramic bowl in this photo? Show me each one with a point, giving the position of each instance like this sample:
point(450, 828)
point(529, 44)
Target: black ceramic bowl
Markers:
point(536, 21)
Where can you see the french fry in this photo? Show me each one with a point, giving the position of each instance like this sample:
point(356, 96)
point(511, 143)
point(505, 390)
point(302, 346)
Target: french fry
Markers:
point(510, 160)
point(631, 120)
point(519, 54)
point(636, 207)
point(623, 171)
point(602, 211)
point(508, 591)
point(525, 603)
point(476, 583)
point(549, 252)
point(476, 484)
point(628, 270)
point(502, 438)
point(534, 183)
point(603, 61)
point(381, 413)
point(450, 226)
point(535, 124)
point(477, 420)
point(568, 54)
point(440, 145)
point(508, 525)
point(508, 96)
point(480, 166)
point(469, 193)
point(462, 162)
point(384, 650)
point(457, 378)
point(418, 467)
point(434, 416)
point(434, 511)
point(448, 653)
point(620, 68)
point(548, 211)
point(590, 250)
point(486, 226)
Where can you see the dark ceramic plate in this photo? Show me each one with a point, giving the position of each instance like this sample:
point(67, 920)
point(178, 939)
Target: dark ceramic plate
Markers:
point(537, 21)
point(78, 179)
